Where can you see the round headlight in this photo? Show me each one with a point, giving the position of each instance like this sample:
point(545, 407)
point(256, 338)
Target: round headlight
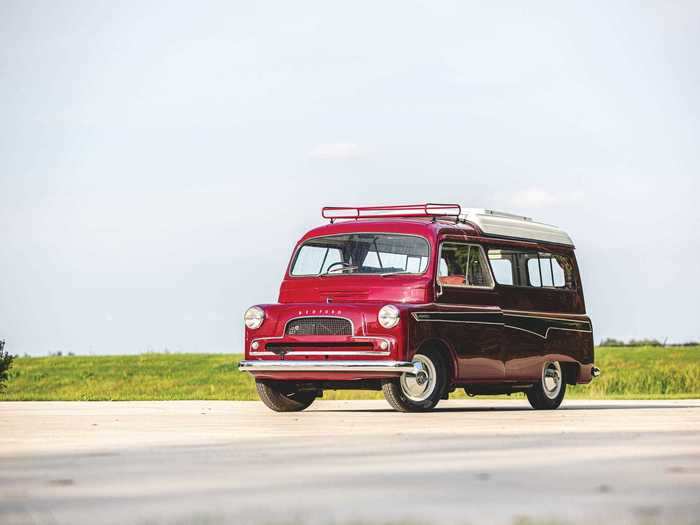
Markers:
point(388, 316)
point(254, 317)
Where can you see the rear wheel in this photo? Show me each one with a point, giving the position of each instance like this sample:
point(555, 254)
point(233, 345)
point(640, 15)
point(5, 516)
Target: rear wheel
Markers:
point(548, 393)
point(284, 397)
point(422, 391)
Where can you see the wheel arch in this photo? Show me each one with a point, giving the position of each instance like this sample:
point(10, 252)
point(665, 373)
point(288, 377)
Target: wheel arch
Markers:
point(442, 347)
point(570, 367)
point(571, 371)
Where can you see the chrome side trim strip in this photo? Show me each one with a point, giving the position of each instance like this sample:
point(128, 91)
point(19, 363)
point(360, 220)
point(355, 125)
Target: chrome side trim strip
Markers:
point(520, 313)
point(543, 316)
point(488, 317)
point(397, 367)
point(546, 334)
point(461, 322)
point(523, 313)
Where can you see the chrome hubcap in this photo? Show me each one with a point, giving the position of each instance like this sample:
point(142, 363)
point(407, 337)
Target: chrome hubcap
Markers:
point(551, 379)
point(419, 386)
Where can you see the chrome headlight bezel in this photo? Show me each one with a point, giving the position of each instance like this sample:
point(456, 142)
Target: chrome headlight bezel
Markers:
point(254, 317)
point(389, 316)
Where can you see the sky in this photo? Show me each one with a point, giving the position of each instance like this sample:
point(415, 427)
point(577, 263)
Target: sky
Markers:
point(158, 160)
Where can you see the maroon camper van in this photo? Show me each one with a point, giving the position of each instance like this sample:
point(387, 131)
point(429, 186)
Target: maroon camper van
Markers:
point(420, 300)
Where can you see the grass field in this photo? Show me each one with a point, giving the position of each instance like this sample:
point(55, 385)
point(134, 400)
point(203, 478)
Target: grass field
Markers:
point(640, 373)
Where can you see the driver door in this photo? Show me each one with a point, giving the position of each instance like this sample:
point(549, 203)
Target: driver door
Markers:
point(472, 321)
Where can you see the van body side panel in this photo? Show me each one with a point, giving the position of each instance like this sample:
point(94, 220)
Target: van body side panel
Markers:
point(544, 324)
point(534, 337)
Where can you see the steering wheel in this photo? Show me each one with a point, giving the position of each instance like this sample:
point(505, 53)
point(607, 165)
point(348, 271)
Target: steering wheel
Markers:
point(343, 264)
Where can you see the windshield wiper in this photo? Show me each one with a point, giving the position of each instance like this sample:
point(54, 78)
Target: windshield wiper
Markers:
point(388, 274)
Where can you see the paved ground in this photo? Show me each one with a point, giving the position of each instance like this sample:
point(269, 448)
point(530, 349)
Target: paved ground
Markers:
point(475, 461)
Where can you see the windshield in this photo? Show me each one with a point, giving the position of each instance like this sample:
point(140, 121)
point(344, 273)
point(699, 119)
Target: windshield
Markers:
point(362, 253)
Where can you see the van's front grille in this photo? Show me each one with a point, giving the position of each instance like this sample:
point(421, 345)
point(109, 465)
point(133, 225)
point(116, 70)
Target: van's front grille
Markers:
point(319, 326)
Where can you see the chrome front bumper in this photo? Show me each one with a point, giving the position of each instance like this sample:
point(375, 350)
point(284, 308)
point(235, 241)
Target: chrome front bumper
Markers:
point(397, 367)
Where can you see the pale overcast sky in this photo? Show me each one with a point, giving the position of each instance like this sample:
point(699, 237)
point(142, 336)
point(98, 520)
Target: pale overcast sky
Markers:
point(158, 160)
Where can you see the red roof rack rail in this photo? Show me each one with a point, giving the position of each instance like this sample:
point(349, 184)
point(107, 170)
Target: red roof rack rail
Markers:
point(405, 210)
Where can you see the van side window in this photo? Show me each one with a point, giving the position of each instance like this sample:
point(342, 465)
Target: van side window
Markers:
point(546, 271)
point(503, 264)
point(539, 270)
point(533, 272)
point(563, 272)
point(558, 273)
point(463, 265)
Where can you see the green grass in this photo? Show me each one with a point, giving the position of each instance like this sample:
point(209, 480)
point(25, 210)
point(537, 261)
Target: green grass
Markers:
point(129, 377)
point(640, 373)
point(644, 373)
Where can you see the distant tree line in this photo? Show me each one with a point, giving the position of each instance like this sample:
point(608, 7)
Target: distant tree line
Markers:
point(5, 365)
point(644, 342)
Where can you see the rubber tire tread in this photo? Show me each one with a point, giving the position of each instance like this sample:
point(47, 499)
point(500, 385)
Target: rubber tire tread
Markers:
point(397, 400)
point(275, 399)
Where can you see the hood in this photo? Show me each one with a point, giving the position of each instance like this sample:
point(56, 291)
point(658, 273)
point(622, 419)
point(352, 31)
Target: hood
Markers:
point(356, 288)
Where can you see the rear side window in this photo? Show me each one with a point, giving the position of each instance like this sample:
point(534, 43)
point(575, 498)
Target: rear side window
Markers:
point(533, 272)
point(539, 270)
point(504, 265)
point(563, 271)
point(558, 272)
point(533, 269)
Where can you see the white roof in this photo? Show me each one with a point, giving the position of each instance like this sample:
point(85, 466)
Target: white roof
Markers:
point(509, 225)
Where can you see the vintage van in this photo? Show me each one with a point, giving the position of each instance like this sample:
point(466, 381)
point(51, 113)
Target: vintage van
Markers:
point(420, 300)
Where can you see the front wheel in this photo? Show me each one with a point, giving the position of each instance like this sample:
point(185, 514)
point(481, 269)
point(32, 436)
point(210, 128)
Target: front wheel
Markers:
point(421, 391)
point(284, 397)
point(548, 393)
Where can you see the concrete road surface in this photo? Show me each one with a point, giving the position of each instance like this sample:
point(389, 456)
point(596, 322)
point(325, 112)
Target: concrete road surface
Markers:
point(474, 461)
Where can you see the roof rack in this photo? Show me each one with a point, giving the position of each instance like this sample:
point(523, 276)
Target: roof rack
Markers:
point(405, 210)
point(491, 223)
